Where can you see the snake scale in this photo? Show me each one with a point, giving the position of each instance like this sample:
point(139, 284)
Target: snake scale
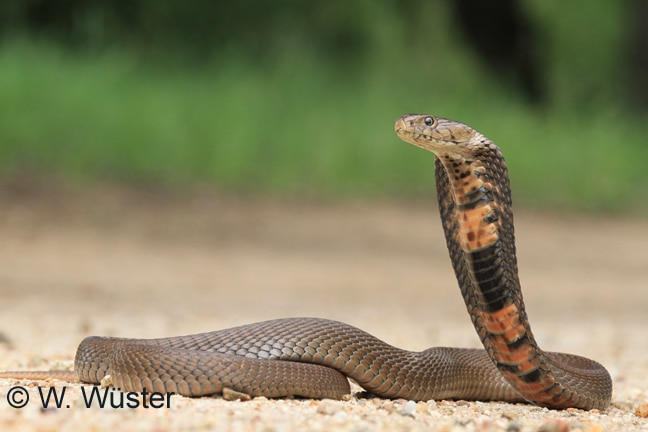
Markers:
point(313, 357)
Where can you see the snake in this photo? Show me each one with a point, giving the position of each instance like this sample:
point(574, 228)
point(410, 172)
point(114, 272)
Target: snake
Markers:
point(316, 358)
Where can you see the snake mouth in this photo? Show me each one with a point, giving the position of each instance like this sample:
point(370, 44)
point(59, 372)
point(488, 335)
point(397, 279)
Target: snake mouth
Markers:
point(405, 128)
point(409, 129)
point(400, 125)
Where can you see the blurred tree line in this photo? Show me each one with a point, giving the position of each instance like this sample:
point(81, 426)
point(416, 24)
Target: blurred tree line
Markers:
point(503, 35)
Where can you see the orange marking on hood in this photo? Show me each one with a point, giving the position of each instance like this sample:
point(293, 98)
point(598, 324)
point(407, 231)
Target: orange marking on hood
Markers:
point(474, 231)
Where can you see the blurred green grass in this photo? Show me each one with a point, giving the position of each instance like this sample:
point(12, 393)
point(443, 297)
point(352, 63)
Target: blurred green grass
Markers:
point(300, 128)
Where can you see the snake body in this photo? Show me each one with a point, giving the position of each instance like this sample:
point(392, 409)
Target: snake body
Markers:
point(313, 357)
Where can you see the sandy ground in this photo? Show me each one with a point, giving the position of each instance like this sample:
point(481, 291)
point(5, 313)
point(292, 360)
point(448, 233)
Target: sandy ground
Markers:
point(135, 265)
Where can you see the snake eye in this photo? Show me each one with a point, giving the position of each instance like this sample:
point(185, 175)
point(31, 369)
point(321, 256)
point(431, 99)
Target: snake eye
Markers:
point(429, 121)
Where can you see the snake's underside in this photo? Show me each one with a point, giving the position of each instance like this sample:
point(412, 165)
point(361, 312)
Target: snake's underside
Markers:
point(313, 357)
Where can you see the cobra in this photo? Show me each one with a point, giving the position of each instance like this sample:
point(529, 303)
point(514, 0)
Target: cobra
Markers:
point(312, 357)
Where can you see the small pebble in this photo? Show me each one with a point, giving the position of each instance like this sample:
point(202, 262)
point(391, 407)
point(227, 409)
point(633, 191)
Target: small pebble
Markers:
point(408, 409)
point(642, 410)
point(328, 407)
point(513, 426)
point(511, 415)
point(422, 408)
point(554, 426)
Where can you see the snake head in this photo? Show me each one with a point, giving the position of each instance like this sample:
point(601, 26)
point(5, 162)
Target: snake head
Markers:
point(439, 135)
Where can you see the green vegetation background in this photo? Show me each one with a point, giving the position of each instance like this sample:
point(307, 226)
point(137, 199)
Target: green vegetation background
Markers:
point(275, 114)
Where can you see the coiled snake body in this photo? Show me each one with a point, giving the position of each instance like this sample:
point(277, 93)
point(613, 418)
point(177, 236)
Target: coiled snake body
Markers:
point(313, 357)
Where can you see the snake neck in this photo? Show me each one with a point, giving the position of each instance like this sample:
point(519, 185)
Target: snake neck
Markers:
point(475, 203)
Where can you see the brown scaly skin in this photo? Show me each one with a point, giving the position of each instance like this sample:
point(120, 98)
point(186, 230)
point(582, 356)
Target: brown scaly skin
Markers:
point(313, 357)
